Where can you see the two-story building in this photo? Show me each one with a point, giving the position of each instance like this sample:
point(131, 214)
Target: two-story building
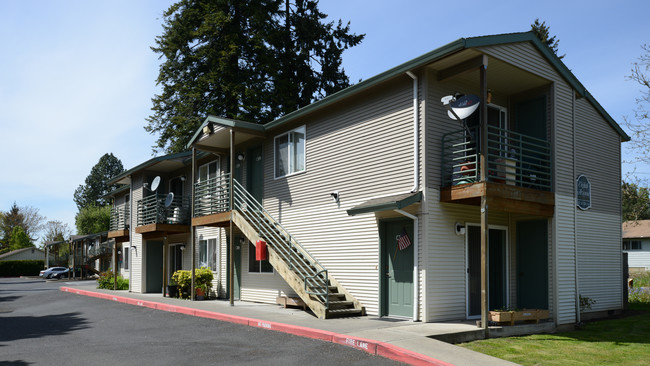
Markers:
point(382, 199)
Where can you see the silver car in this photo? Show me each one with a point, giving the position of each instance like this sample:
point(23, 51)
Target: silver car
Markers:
point(48, 273)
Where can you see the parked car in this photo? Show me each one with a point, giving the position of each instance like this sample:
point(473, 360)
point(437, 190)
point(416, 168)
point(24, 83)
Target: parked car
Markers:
point(51, 271)
point(64, 273)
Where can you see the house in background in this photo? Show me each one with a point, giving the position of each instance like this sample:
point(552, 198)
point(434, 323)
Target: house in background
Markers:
point(373, 199)
point(32, 253)
point(636, 243)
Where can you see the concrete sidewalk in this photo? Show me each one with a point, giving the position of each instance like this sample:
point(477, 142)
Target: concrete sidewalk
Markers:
point(404, 341)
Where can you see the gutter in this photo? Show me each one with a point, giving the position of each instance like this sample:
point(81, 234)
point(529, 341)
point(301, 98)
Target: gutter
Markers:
point(416, 140)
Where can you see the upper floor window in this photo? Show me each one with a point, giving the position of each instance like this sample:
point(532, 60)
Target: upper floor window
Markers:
point(289, 151)
point(632, 245)
point(209, 170)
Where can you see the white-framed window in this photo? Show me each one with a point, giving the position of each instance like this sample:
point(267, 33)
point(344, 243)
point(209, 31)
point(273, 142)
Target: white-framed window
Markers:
point(208, 253)
point(289, 151)
point(126, 248)
point(255, 266)
point(632, 245)
point(209, 170)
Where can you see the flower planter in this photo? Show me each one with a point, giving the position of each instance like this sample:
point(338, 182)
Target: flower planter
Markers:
point(510, 317)
point(172, 290)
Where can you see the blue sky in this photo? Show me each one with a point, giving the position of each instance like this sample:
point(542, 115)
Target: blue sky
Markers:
point(77, 77)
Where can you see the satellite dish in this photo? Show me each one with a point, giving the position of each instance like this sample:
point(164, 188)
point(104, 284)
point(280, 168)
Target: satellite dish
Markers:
point(155, 183)
point(463, 107)
point(169, 199)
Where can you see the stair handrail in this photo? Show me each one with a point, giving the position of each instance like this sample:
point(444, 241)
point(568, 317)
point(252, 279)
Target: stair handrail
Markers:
point(245, 202)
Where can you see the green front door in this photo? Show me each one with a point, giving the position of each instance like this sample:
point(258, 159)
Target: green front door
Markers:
point(397, 265)
point(154, 265)
point(497, 270)
point(255, 173)
point(532, 264)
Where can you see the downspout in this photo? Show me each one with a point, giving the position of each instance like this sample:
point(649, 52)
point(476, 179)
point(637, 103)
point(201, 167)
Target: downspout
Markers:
point(575, 212)
point(131, 200)
point(416, 265)
point(416, 140)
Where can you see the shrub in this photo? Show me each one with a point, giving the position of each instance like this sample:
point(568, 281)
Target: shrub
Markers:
point(202, 278)
point(21, 268)
point(638, 295)
point(105, 281)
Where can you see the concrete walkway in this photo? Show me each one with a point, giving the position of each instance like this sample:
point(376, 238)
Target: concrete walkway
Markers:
point(404, 341)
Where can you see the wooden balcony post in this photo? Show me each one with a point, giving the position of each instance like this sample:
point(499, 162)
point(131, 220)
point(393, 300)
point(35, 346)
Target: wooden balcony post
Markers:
point(484, 205)
point(231, 272)
point(192, 239)
point(165, 260)
point(114, 265)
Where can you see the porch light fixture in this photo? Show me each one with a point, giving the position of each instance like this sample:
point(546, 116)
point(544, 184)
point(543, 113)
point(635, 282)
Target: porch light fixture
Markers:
point(207, 129)
point(183, 178)
point(460, 229)
point(335, 196)
point(182, 247)
point(241, 156)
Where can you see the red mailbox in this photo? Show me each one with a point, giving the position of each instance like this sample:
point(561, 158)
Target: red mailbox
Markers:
point(260, 250)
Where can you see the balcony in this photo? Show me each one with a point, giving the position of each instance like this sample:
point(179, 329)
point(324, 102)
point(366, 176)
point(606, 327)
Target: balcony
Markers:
point(519, 174)
point(212, 202)
point(119, 224)
point(154, 220)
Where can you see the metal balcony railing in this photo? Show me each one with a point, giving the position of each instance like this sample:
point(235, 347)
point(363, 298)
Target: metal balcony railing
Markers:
point(512, 158)
point(152, 210)
point(120, 216)
point(211, 196)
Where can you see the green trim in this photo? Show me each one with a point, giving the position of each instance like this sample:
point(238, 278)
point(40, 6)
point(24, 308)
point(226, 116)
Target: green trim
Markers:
point(427, 58)
point(225, 122)
point(149, 163)
point(115, 192)
point(386, 206)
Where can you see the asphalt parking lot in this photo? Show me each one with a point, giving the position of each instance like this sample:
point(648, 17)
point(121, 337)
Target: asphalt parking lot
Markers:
point(40, 325)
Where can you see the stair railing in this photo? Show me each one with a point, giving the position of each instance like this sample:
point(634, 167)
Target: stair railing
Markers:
point(314, 275)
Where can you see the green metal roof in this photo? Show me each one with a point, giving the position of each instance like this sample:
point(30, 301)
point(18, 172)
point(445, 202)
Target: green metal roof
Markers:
point(446, 50)
point(396, 202)
point(148, 163)
point(427, 58)
point(225, 122)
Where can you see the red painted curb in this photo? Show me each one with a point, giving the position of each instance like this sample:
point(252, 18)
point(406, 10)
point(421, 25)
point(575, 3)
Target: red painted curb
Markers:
point(323, 335)
point(366, 345)
point(382, 349)
point(396, 353)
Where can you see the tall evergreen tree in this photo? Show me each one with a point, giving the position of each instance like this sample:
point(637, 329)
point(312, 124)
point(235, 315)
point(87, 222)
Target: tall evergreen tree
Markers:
point(90, 193)
point(542, 31)
point(252, 60)
point(10, 220)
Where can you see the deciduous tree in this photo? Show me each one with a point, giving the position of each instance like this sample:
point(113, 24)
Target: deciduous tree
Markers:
point(93, 219)
point(640, 127)
point(19, 239)
point(636, 202)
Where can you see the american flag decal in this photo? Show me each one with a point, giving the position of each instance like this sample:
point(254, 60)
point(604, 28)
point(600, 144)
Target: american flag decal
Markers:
point(403, 240)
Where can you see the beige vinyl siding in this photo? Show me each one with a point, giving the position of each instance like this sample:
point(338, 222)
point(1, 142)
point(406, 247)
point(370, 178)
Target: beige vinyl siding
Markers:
point(525, 56)
point(137, 253)
point(598, 229)
point(363, 149)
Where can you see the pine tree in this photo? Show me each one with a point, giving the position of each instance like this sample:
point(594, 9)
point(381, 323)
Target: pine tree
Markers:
point(251, 60)
point(542, 31)
point(95, 185)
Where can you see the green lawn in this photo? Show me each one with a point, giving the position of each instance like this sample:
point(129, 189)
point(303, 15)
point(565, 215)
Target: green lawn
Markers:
point(623, 341)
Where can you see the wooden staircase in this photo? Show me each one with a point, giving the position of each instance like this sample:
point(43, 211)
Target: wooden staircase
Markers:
point(307, 277)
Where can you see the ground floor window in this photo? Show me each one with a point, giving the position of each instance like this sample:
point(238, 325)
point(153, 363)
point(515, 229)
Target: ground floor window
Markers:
point(255, 266)
point(208, 254)
point(632, 245)
point(125, 255)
